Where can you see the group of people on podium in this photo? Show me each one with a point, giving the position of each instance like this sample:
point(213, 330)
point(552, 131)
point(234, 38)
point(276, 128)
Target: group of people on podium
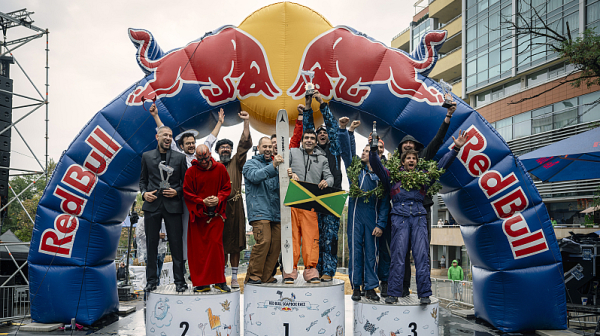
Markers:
point(200, 200)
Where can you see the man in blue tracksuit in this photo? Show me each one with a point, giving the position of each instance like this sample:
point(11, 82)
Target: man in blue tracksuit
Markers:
point(366, 221)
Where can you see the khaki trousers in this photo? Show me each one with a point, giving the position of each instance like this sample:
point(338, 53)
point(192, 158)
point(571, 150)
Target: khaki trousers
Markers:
point(265, 252)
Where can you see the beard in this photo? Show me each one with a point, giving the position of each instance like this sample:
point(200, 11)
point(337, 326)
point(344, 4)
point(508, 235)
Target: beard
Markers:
point(225, 158)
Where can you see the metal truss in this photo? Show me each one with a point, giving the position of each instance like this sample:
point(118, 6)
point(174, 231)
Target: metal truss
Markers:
point(22, 18)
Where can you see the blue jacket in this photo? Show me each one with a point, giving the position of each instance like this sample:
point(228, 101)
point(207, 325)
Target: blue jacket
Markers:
point(262, 190)
point(376, 210)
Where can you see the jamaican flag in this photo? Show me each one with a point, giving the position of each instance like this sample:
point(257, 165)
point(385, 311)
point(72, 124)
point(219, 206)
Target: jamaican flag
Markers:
point(308, 196)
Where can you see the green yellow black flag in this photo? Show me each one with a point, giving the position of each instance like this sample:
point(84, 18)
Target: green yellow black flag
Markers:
point(308, 196)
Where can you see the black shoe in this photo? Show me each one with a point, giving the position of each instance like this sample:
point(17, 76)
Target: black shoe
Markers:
point(254, 282)
point(362, 291)
point(314, 280)
point(201, 289)
point(371, 295)
point(383, 289)
point(150, 287)
point(425, 300)
point(391, 299)
point(181, 288)
point(288, 281)
point(356, 295)
point(223, 287)
point(272, 281)
point(405, 292)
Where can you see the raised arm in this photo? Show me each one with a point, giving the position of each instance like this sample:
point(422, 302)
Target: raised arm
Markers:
point(245, 141)
point(434, 145)
point(297, 135)
point(332, 126)
point(449, 157)
point(154, 113)
point(344, 139)
point(380, 170)
point(353, 126)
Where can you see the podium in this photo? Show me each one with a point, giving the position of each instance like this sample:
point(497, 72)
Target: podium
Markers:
point(406, 317)
point(298, 309)
point(189, 313)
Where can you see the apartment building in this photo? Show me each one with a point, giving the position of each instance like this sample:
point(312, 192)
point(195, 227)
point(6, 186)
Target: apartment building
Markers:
point(490, 68)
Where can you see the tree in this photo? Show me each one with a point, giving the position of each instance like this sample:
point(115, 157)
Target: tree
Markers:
point(31, 188)
point(536, 36)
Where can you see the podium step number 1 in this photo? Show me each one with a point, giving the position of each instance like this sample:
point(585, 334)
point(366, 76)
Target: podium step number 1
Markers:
point(283, 141)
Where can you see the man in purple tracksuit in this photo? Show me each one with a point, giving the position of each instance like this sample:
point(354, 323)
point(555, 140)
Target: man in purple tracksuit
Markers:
point(409, 224)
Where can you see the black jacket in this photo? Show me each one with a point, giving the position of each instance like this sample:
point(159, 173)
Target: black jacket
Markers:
point(428, 153)
point(150, 179)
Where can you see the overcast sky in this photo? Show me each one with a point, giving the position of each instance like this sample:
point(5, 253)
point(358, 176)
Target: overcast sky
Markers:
point(92, 59)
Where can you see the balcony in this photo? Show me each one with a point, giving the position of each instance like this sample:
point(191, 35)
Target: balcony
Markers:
point(445, 10)
point(454, 39)
point(457, 88)
point(448, 66)
point(402, 40)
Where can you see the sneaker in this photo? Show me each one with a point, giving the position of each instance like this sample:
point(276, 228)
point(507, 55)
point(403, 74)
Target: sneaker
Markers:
point(355, 295)
point(150, 287)
point(290, 278)
point(383, 289)
point(391, 299)
point(326, 278)
point(201, 289)
point(235, 283)
point(223, 287)
point(254, 282)
point(425, 300)
point(310, 274)
point(181, 288)
point(371, 295)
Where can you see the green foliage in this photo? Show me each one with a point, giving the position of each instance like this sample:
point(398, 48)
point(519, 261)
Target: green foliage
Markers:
point(355, 191)
point(18, 219)
point(426, 173)
point(584, 53)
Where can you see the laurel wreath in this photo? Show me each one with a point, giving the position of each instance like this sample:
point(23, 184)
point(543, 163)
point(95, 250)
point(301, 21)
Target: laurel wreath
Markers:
point(353, 172)
point(426, 174)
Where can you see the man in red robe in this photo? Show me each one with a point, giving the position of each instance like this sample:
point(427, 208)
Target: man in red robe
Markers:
point(205, 189)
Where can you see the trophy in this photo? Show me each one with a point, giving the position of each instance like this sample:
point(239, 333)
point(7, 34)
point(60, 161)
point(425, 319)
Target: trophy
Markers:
point(309, 87)
point(164, 184)
point(447, 89)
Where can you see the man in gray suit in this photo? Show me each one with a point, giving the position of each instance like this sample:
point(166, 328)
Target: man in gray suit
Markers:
point(163, 203)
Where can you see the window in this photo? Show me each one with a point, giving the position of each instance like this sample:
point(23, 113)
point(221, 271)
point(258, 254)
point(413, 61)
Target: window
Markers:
point(590, 110)
point(593, 14)
point(537, 77)
point(419, 31)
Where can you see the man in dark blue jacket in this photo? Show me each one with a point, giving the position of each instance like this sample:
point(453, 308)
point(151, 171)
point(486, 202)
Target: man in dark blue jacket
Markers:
point(262, 203)
point(367, 218)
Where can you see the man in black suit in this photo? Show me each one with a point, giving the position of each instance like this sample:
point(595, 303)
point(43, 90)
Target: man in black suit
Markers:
point(165, 203)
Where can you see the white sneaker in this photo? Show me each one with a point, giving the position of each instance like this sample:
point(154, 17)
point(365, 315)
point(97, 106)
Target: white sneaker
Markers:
point(234, 283)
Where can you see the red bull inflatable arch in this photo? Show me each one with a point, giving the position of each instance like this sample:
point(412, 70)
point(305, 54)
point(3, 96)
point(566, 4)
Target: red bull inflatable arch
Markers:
point(256, 66)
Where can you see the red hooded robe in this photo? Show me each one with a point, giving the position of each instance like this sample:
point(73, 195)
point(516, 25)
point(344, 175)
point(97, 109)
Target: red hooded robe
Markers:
point(206, 257)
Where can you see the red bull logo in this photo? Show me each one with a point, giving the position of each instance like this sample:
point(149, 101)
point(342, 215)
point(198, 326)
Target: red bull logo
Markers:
point(523, 242)
point(227, 65)
point(346, 64)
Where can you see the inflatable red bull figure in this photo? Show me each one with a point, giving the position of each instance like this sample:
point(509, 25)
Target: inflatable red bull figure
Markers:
point(517, 269)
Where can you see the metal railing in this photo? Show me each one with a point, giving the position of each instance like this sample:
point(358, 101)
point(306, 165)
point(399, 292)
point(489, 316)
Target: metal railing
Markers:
point(402, 32)
point(14, 300)
point(442, 25)
point(462, 293)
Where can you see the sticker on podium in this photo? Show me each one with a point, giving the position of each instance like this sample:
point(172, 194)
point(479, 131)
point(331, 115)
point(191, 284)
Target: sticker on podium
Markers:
point(169, 313)
point(298, 309)
point(407, 317)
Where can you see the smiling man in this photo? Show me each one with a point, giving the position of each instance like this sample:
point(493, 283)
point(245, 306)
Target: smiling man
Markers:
point(164, 204)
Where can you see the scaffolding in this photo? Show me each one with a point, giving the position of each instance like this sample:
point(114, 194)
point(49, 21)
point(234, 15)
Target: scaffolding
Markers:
point(22, 18)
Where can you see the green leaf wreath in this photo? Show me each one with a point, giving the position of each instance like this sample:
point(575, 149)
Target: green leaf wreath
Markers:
point(353, 172)
point(426, 173)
